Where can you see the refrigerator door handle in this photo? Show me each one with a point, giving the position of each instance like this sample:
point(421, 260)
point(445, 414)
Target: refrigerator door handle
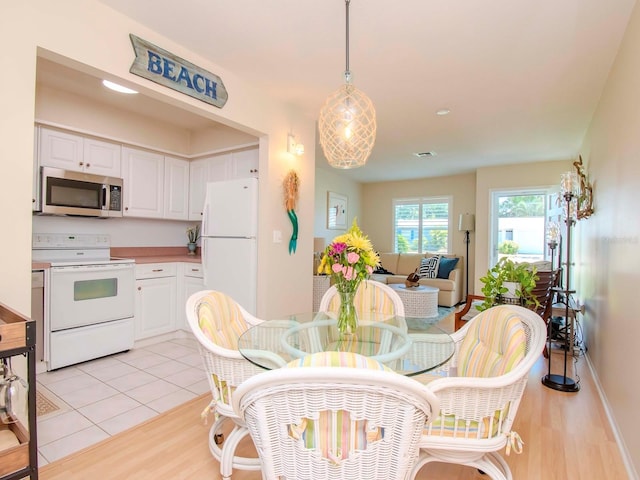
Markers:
point(205, 215)
point(205, 263)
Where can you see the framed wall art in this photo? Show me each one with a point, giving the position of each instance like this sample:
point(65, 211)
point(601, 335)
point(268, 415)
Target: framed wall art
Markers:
point(336, 211)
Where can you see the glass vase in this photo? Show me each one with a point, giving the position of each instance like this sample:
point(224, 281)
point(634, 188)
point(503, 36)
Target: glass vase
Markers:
point(347, 316)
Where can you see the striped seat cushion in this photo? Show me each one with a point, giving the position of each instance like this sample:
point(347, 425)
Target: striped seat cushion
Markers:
point(369, 298)
point(337, 359)
point(332, 430)
point(448, 426)
point(494, 344)
point(220, 320)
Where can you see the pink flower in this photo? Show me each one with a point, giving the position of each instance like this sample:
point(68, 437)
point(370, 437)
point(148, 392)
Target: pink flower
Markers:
point(337, 248)
point(336, 267)
point(348, 273)
point(352, 257)
point(369, 269)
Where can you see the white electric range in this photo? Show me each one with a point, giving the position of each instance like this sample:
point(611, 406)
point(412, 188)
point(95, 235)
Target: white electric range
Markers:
point(89, 298)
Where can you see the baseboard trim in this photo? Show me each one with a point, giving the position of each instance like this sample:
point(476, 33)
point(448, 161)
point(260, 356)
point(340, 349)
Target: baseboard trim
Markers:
point(624, 452)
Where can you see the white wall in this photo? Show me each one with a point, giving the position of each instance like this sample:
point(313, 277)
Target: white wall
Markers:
point(123, 232)
point(74, 33)
point(377, 208)
point(608, 253)
point(535, 174)
point(330, 180)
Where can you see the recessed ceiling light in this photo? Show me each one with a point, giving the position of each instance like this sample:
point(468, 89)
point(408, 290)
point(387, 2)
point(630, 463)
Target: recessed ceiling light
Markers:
point(443, 111)
point(425, 154)
point(117, 88)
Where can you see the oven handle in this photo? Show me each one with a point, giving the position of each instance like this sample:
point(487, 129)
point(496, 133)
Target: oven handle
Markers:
point(92, 268)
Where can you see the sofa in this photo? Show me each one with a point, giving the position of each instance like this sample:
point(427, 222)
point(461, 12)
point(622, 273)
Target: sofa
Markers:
point(402, 264)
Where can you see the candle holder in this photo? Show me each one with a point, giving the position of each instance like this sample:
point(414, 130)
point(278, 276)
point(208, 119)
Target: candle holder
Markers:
point(562, 382)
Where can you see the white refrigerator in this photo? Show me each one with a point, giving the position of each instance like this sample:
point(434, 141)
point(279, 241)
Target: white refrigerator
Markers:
point(228, 239)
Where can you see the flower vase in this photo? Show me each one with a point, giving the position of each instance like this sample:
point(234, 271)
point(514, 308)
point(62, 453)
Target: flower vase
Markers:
point(192, 248)
point(347, 316)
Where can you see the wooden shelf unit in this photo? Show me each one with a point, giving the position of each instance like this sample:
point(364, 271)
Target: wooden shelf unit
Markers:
point(18, 338)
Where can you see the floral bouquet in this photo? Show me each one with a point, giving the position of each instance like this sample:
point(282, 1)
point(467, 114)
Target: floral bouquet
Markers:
point(349, 259)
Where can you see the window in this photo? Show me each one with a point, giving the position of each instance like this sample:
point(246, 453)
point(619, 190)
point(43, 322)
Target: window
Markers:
point(421, 225)
point(519, 222)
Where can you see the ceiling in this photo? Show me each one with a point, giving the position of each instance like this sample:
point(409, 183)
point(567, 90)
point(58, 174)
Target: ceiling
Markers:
point(521, 79)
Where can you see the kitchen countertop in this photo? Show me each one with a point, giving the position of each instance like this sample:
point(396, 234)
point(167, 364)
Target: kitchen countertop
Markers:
point(156, 254)
point(144, 255)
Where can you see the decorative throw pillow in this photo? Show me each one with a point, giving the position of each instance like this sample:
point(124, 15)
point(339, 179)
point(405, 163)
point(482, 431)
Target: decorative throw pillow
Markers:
point(382, 271)
point(445, 266)
point(429, 267)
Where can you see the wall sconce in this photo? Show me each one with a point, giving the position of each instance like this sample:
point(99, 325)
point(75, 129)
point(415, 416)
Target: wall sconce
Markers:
point(293, 146)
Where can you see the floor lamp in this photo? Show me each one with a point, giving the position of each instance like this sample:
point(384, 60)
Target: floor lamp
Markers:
point(563, 383)
point(467, 224)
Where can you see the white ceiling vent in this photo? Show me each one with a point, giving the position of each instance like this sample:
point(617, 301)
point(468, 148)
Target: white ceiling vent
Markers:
point(425, 154)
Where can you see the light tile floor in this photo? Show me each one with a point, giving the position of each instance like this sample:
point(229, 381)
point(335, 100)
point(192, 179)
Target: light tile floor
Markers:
point(105, 396)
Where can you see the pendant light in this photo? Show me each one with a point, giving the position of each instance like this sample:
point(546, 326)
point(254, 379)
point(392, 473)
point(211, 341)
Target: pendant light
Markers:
point(347, 122)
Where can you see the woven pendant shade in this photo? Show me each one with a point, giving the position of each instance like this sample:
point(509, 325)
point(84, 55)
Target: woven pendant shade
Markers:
point(347, 126)
point(347, 123)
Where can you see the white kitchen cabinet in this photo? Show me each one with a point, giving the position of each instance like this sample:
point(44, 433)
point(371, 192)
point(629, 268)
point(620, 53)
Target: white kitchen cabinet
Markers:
point(35, 200)
point(189, 283)
point(198, 177)
point(155, 301)
point(241, 164)
point(143, 177)
point(69, 151)
point(102, 158)
point(220, 167)
point(176, 188)
point(61, 150)
point(244, 163)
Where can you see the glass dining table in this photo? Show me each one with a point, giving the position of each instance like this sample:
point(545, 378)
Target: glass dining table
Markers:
point(410, 346)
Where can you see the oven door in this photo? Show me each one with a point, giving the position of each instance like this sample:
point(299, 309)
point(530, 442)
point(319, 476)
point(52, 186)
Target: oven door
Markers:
point(90, 294)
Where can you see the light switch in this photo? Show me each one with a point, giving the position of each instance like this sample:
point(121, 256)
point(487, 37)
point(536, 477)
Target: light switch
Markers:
point(277, 236)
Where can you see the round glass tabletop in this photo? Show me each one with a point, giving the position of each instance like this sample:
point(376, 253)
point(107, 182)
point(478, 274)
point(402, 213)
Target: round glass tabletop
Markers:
point(409, 346)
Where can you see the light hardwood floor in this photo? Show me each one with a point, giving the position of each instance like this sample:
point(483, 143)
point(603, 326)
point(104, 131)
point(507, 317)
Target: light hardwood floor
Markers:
point(567, 436)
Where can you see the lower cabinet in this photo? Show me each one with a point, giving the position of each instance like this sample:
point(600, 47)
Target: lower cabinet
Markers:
point(192, 282)
point(156, 294)
point(162, 290)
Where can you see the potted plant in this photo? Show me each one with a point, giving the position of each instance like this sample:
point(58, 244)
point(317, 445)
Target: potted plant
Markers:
point(496, 284)
point(193, 233)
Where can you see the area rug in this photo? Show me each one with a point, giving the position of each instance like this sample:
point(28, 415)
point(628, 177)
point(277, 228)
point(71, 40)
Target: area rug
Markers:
point(48, 404)
point(44, 405)
point(423, 323)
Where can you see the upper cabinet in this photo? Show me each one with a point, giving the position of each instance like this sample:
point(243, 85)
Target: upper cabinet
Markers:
point(155, 186)
point(143, 177)
point(240, 164)
point(176, 188)
point(244, 163)
point(80, 154)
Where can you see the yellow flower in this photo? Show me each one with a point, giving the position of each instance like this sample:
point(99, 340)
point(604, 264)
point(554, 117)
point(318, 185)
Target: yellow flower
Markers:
point(338, 259)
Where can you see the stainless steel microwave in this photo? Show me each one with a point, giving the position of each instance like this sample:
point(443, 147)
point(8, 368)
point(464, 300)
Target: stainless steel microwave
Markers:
point(64, 192)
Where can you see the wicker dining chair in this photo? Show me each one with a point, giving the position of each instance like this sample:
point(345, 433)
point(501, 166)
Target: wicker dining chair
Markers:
point(217, 322)
point(480, 397)
point(372, 296)
point(334, 416)
point(373, 300)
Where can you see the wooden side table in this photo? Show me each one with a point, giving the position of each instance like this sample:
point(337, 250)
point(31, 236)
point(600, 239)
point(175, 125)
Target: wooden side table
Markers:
point(321, 284)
